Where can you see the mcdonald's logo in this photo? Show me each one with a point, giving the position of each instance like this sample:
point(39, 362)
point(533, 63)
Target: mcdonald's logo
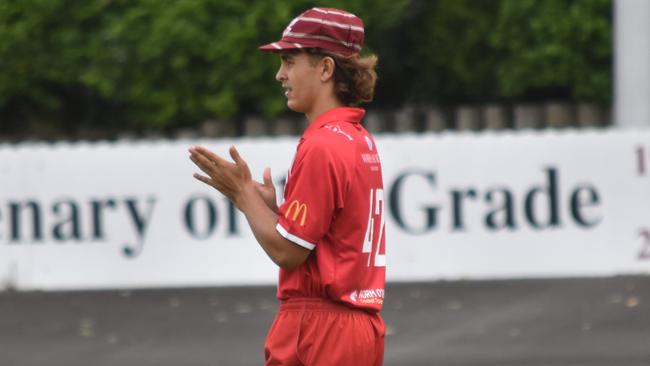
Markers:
point(298, 209)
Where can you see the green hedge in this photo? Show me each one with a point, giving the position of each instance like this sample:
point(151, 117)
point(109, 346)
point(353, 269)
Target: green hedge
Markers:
point(140, 65)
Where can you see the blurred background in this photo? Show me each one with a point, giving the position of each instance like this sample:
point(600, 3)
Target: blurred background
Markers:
point(515, 137)
point(102, 69)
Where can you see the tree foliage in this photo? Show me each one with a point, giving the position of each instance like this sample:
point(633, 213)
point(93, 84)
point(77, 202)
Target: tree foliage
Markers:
point(555, 47)
point(440, 54)
point(162, 64)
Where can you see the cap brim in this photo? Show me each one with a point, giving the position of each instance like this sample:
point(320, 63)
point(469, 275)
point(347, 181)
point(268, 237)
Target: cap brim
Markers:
point(280, 46)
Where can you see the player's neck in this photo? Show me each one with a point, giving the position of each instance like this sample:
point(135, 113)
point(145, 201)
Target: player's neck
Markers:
point(323, 105)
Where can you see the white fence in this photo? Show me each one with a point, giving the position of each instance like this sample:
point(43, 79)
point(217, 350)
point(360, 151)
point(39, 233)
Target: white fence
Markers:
point(460, 206)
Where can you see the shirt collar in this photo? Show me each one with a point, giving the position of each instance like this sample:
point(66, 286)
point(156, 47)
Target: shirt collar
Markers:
point(342, 114)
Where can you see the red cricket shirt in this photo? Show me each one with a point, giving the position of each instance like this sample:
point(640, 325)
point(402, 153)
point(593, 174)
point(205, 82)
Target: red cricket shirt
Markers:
point(334, 206)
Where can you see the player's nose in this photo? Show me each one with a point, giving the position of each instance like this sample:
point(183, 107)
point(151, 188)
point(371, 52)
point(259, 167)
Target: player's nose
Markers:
point(281, 75)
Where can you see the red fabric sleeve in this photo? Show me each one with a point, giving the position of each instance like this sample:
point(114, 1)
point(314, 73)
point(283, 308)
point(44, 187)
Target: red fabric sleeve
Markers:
point(314, 191)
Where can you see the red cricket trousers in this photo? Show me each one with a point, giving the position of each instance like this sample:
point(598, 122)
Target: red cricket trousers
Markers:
point(319, 332)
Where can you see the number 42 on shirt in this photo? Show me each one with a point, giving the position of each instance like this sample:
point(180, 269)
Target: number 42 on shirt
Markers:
point(373, 241)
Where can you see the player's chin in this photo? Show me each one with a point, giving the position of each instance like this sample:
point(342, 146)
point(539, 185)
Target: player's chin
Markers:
point(295, 106)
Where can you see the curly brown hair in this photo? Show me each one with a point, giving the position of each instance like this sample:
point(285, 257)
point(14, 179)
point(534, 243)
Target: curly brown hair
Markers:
point(354, 77)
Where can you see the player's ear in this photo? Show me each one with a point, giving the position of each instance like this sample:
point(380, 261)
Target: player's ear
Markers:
point(328, 65)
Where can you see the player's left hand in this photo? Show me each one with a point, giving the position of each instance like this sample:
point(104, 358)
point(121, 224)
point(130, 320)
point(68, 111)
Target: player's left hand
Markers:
point(267, 190)
point(228, 178)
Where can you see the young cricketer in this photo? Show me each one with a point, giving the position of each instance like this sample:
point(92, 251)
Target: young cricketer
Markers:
point(328, 235)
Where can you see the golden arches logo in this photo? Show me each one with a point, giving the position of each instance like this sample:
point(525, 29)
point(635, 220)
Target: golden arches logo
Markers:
point(298, 209)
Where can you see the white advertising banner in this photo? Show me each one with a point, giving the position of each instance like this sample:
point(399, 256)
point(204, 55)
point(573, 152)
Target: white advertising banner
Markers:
point(457, 206)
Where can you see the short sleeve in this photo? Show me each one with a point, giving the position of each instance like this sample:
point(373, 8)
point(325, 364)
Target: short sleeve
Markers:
point(313, 193)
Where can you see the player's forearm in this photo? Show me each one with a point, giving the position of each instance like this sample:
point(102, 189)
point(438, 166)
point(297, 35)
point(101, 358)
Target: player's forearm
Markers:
point(262, 221)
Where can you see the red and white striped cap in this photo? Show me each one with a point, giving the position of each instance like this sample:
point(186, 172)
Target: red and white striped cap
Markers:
point(329, 29)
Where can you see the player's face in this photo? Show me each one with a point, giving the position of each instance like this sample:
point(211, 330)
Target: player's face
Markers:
point(300, 80)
